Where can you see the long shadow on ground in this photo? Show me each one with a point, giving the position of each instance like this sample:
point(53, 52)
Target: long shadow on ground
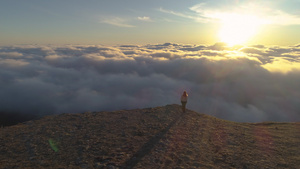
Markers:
point(146, 148)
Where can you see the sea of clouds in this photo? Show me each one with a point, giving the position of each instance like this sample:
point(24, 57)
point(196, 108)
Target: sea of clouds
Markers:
point(244, 84)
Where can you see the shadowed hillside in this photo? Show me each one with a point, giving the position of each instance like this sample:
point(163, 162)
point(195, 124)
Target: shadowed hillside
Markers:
point(161, 137)
point(12, 118)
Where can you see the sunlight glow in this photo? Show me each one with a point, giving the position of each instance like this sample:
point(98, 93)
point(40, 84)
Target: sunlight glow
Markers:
point(280, 65)
point(238, 28)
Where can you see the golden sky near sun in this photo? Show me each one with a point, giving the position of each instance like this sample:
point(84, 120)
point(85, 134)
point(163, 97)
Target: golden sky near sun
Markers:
point(122, 22)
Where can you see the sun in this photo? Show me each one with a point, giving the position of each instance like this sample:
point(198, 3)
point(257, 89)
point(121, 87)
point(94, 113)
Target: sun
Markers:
point(238, 28)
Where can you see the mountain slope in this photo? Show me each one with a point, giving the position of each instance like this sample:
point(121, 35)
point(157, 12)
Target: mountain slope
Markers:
point(161, 137)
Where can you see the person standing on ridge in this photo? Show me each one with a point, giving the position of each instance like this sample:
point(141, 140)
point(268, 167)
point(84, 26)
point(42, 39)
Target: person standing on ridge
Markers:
point(184, 98)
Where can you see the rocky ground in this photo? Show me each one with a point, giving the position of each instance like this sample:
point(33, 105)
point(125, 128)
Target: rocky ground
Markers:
point(161, 137)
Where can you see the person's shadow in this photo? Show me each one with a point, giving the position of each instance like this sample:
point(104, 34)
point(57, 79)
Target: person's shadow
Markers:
point(146, 148)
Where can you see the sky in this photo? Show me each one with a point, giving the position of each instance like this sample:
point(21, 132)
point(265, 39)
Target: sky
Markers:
point(237, 60)
point(146, 22)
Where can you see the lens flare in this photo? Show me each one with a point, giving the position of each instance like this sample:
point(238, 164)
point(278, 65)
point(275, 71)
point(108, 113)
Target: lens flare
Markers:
point(53, 145)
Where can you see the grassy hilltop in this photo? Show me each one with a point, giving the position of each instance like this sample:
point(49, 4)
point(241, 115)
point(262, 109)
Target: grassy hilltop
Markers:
point(160, 137)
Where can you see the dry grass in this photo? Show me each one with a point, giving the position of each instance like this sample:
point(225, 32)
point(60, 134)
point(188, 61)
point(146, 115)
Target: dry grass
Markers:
point(160, 137)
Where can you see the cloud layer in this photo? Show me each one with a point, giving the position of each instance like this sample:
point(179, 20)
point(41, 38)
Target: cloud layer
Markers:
point(245, 84)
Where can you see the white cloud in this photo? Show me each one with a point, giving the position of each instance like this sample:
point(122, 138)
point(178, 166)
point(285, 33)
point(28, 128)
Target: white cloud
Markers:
point(262, 11)
point(116, 21)
point(10, 54)
point(193, 17)
point(12, 63)
point(144, 18)
point(282, 18)
point(215, 12)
